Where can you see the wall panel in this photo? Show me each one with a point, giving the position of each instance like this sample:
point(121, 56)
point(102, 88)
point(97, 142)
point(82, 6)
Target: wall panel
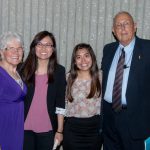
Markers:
point(71, 21)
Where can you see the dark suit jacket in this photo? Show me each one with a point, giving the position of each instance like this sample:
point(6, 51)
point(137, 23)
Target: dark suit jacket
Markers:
point(55, 95)
point(138, 87)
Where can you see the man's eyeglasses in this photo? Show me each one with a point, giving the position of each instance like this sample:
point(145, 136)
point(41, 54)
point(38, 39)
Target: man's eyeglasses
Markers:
point(123, 25)
point(41, 45)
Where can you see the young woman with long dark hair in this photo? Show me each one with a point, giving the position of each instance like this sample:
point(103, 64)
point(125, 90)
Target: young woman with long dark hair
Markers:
point(45, 100)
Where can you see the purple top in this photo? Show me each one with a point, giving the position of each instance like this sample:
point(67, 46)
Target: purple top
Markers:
point(11, 112)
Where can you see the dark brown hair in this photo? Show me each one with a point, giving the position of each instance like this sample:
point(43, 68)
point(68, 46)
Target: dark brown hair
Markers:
point(94, 72)
point(31, 63)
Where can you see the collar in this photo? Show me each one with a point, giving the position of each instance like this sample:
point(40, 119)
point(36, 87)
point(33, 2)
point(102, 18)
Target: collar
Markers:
point(129, 48)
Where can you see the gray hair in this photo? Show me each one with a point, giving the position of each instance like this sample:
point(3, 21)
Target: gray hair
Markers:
point(122, 12)
point(7, 37)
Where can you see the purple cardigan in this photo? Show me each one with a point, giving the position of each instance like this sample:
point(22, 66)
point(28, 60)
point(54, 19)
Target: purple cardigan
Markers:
point(11, 112)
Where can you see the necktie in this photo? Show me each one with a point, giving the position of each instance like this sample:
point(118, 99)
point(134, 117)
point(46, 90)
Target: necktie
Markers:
point(117, 88)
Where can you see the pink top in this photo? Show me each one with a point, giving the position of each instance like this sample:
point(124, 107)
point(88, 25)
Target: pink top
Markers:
point(38, 119)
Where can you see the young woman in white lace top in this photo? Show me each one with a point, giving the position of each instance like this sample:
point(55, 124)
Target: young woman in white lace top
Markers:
point(83, 101)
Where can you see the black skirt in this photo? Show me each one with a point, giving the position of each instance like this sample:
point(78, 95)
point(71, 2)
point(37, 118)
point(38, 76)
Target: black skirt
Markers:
point(82, 133)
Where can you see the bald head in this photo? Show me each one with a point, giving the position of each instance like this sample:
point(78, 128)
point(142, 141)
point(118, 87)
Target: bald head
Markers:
point(124, 27)
point(123, 13)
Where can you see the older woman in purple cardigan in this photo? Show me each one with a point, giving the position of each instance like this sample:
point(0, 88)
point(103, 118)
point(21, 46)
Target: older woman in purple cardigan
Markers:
point(12, 92)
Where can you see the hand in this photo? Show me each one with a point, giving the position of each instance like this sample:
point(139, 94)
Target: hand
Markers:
point(59, 137)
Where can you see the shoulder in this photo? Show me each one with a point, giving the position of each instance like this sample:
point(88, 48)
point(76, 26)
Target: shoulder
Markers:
point(143, 42)
point(2, 79)
point(144, 46)
point(3, 74)
point(59, 71)
point(109, 49)
point(60, 67)
point(111, 45)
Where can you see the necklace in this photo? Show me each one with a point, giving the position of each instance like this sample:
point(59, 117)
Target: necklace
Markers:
point(17, 78)
point(20, 82)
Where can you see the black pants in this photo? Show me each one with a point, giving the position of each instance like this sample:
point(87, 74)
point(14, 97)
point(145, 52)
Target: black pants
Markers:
point(38, 141)
point(116, 130)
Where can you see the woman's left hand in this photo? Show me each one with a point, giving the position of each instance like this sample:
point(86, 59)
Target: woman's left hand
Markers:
point(59, 137)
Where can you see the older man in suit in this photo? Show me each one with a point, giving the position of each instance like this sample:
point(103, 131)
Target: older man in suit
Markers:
point(126, 87)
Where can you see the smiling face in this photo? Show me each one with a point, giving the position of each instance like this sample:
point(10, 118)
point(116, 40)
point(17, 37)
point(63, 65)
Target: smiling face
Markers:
point(124, 28)
point(83, 59)
point(13, 53)
point(44, 49)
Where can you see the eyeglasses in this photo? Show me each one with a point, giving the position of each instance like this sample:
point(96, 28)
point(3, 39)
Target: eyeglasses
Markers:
point(41, 45)
point(12, 49)
point(123, 25)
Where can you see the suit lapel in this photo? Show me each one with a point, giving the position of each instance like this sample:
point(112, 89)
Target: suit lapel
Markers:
point(135, 68)
point(107, 63)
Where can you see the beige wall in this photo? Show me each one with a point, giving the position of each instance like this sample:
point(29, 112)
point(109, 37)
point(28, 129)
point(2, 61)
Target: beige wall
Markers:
point(72, 21)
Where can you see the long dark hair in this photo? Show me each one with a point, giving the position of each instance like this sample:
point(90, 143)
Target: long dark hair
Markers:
point(31, 63)
point(94, 72)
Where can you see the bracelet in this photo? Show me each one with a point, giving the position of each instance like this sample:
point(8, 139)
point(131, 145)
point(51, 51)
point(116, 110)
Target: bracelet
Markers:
point(59, 132)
